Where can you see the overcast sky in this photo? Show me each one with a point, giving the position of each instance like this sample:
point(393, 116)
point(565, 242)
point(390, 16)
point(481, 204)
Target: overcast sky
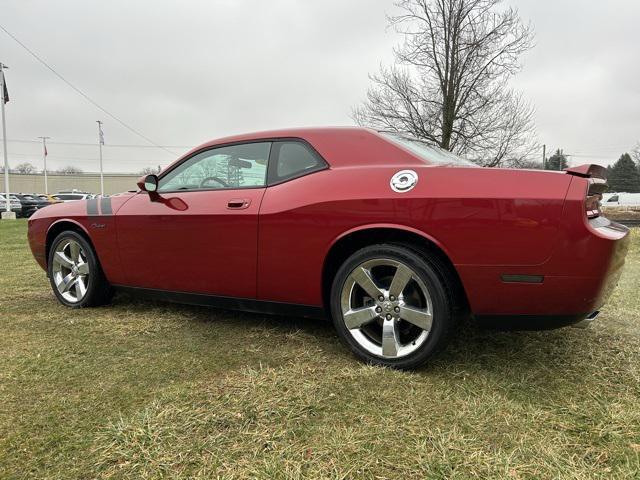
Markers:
point(186, 72)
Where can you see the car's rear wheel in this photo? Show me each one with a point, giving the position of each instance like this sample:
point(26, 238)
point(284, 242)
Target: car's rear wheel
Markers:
point(392, 306)
point(75, 274)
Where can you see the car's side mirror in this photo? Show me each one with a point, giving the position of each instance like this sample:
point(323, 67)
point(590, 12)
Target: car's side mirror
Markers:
point(148, 183)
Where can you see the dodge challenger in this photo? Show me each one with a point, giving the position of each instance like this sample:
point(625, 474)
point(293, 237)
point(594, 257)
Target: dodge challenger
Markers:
point(388, 236)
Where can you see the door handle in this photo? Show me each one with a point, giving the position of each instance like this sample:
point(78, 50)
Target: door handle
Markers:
point(238, 203)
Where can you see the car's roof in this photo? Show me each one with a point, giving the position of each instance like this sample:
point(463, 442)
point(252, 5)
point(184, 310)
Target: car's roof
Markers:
point(340, 146)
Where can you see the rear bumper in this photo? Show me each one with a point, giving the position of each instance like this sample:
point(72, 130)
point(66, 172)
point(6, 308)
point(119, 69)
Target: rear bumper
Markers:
point(617, 240)
point(576, 281)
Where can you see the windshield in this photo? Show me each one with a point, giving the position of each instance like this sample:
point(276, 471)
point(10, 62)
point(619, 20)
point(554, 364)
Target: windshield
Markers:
point(426, 152)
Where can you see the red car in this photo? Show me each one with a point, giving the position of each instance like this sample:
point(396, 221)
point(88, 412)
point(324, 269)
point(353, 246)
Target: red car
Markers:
point(385, 234)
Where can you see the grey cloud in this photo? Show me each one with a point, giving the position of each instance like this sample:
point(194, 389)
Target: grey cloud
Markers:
point(186, 72)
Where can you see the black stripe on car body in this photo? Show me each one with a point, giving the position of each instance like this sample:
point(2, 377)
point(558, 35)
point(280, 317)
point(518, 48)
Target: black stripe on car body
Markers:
point(105, 206)
point(92, 206)
point(522, 278)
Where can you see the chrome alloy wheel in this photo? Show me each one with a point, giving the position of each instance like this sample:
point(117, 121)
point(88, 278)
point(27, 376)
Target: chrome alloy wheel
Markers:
point(70, 270)
point(387, 308)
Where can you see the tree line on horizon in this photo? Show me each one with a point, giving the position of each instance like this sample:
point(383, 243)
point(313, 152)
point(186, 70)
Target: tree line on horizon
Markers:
point(28, 168)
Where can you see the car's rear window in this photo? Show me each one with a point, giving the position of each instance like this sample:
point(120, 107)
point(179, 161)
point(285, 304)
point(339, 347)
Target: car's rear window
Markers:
point(426, 152)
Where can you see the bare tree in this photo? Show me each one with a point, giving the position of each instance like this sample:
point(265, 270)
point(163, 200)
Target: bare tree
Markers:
point(25, 167)
point(635, 153)
point(449, 85)
point(69, 170)
point(530, 164)
point(150, 170)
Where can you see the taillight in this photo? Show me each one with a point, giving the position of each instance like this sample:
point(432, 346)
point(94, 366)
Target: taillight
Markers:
point(592, 205)
point(594, 195)
point(596, 175)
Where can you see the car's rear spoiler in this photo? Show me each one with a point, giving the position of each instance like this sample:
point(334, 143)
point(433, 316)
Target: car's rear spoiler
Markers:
point(597, 175)
point(588, 171)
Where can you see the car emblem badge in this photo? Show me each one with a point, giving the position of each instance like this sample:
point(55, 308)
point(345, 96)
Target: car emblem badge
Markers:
point(403, 181)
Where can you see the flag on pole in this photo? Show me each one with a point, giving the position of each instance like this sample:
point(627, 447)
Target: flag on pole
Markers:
point(101, 133)
point(45, 150)
point(5, 93)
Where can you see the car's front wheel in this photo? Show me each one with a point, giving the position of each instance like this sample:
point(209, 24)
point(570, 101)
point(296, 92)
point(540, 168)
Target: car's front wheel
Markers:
point(75, 274)
point(391, 305)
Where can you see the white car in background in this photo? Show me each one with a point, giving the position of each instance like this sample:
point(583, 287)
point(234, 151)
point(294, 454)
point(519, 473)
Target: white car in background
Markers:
point(621, 199)
point(14, 203)
point(72, 195)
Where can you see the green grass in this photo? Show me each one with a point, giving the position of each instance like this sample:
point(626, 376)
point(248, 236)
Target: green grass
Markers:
point(147, 390)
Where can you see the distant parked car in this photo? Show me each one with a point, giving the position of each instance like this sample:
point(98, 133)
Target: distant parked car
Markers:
point(75, 190)
point(621, 199)
point(29, 204)
point(72, 196)
point(14, 204)
point(48, 198)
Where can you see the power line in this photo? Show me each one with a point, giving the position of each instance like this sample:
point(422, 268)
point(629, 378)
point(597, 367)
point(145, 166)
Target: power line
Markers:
point(80, 92)
point(87, 159)
point(603, 146)
point(591, 155)
point(81, 144)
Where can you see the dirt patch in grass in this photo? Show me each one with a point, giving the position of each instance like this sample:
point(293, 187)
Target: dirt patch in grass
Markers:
point(147, 390)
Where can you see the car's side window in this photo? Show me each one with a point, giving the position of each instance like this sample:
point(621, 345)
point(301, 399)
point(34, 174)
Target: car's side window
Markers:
point(292, 159)
point(231, 167)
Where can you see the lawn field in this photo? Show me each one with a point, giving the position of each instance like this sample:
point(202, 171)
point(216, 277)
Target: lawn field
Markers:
point(146, 390)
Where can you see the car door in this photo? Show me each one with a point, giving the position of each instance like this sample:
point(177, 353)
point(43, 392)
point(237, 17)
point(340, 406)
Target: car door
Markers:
point(289, 223)
point(198, 233)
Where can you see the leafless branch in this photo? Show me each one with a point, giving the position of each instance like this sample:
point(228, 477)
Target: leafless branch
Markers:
point(450, 82)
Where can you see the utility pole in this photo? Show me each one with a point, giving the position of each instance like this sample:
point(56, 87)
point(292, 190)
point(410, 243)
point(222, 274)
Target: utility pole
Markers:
point(544, 157)
point(44, 158)
point(100, 143)
point(8, 214)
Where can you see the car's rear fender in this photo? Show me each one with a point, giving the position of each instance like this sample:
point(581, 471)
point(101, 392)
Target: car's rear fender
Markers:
point(476, 216)
point(575, 280)
point(380, 233)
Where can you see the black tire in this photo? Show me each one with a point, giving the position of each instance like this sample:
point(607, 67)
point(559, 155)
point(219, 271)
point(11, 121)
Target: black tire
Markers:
point(98, 290)
point(434, 276)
